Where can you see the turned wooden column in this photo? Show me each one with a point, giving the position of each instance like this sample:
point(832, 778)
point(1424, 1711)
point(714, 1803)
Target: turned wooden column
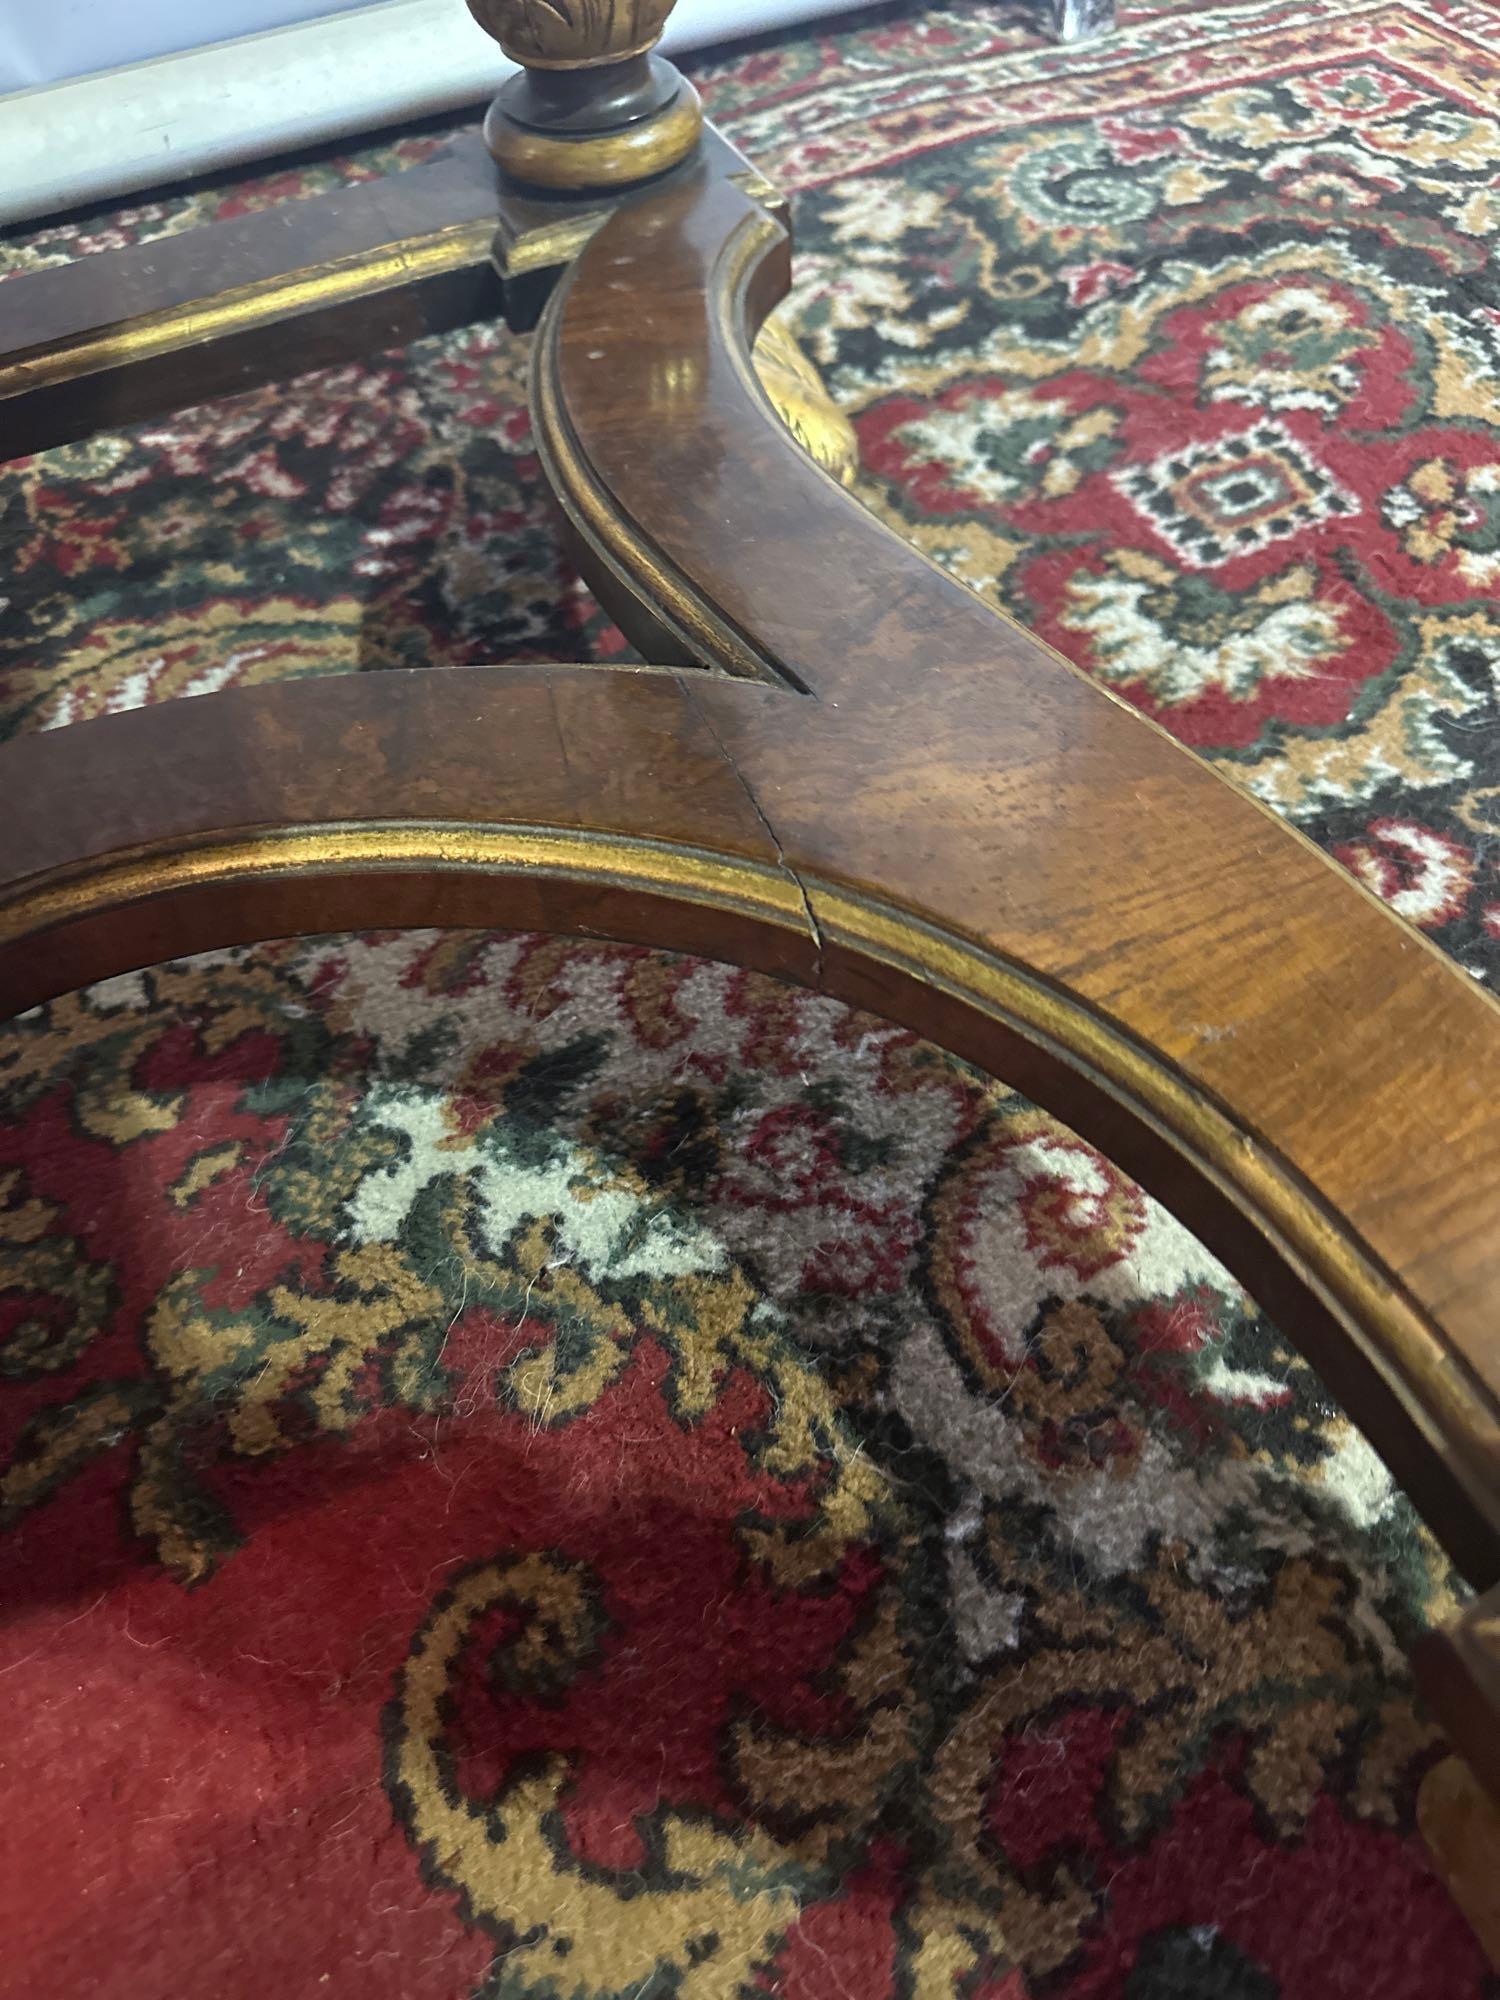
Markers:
point(593, 109)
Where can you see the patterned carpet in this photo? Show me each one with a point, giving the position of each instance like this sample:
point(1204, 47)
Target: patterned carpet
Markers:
point(555, 1473)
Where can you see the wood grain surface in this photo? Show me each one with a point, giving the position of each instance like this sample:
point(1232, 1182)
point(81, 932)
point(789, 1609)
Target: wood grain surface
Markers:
point(954, 767)
point(1458, 1669)
point(904, 800)
point(124, 335)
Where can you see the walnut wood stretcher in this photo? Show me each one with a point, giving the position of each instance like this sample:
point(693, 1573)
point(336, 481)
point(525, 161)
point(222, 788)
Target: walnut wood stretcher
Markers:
point(887, 792)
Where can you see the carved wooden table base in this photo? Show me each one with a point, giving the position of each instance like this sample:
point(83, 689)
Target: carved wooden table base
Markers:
point(887, 791)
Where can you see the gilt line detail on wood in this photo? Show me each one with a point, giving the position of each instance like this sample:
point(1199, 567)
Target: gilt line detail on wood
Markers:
point(1041, 1610)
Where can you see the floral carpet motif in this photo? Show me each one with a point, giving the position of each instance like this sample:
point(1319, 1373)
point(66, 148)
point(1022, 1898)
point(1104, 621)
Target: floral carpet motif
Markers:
point(551, 1472)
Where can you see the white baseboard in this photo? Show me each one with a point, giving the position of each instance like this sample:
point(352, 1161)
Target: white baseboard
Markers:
point(124, 130)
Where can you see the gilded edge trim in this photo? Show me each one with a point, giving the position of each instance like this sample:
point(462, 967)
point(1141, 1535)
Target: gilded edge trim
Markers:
point(1449, 1406)
point(359, 275)
point(1451, 1410)
point(614, 160)
point(684, 873)
point(618, 543)
point(519, 251)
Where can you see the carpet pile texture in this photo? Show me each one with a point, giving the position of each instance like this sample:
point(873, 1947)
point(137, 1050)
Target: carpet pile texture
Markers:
point(544, 1472)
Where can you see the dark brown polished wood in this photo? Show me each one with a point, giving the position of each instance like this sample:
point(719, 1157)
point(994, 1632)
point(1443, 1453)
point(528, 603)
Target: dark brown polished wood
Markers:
point(953, 827)
point(1459, 1672)
point(130, 334)
point(955, 767)
point(123, 336)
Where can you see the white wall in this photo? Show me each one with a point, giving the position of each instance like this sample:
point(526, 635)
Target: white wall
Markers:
point(44, 40)
point(346, 67)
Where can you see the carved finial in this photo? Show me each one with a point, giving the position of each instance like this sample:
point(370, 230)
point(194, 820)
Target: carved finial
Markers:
point(572, 34)
point(592, 107)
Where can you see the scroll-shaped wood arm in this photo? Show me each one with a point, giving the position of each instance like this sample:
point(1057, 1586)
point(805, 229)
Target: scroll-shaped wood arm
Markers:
point(951, 826)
